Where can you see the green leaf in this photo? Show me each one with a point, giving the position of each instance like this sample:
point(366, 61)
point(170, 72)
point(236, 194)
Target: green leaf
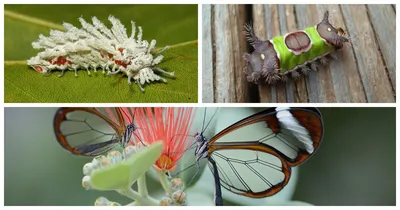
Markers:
point(125, 173)
point(174, 25)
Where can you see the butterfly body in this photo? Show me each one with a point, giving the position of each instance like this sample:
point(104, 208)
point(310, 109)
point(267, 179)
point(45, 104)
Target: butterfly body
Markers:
point(202, 146)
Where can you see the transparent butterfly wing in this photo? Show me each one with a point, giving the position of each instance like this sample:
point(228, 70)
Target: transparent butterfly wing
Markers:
point(244, 172)
point(254, 155)
point(88, 131)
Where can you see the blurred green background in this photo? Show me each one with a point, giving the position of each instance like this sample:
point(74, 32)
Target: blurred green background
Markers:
point(167, 24)
point(355, 164)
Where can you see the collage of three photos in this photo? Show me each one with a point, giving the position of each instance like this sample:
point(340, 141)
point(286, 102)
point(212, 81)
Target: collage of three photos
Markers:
point(173, 104)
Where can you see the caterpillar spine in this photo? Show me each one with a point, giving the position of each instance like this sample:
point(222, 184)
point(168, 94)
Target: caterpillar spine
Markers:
point(98, 47)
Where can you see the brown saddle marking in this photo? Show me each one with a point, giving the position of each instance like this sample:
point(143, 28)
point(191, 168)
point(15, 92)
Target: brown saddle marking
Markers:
point(298, 42)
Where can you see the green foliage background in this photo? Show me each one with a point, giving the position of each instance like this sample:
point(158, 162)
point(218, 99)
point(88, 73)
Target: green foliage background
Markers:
point(174, 25)
point(355, 164)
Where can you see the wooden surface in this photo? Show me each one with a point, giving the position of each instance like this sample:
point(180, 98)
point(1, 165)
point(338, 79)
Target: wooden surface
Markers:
point(364, 72)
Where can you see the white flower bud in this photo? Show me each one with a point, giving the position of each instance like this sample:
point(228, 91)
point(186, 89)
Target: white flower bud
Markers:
point(88, 169)
point(176, 184)
point(101, 201)
point(165, 201)
point(179, 197)
point(86, 182)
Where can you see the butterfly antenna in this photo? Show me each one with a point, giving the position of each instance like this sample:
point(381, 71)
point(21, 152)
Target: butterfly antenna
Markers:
point(140, 139)
point(185, 150)
point(210, 120)
point(204, 119)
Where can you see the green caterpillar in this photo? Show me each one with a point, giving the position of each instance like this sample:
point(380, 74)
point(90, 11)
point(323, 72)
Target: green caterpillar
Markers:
point(272, 60)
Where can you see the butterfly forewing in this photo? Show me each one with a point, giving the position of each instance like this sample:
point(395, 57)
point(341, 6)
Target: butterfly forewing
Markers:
point(88, 131)
point(295, 133)
point(270, 142)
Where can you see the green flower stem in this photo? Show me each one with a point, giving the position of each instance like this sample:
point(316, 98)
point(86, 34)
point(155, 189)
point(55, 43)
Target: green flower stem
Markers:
point(142, 187)
point(164, 181)
point(140, 201)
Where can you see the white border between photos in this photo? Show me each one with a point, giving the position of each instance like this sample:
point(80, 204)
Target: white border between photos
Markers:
point(200, 2)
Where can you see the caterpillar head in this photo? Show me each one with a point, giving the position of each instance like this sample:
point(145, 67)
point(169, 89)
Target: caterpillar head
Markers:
point(330, 34)
point(38, 65)
point(41, 69)
point(141, 61)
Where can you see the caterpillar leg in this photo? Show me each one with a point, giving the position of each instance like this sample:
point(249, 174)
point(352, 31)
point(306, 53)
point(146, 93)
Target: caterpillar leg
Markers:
point(114, 72)
point(163, 80)
point(295, 75)
point(305, 70)
point(172, 74)
point(76, 72)
point(314, 66)
point(129, 79)
point(333, 55)
point(323, 60)
point(140, 86)
point(62, 73)
point(88, 72)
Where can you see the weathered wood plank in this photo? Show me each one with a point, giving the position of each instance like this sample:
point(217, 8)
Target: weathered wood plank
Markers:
point(370, 64)
point(226, 43)
point(207, 52)
point(239, 44)
point(347, 85)
point(260, 29)
point(383, 19)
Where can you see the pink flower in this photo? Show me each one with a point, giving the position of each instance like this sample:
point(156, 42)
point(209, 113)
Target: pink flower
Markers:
point(170, 125)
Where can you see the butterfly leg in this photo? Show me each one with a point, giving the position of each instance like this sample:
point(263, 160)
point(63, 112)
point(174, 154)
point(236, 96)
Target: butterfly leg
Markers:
point(195, 174)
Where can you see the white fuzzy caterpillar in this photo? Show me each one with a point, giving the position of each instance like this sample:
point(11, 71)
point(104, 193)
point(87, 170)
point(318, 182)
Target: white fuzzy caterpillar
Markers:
point(95, 46)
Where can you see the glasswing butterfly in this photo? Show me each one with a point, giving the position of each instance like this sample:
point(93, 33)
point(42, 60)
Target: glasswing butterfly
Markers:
point(253, 157)
point(93, 131)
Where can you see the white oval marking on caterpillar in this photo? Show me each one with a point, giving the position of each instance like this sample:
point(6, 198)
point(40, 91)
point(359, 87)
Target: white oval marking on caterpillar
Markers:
point(96, 46)
point(262, 56)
